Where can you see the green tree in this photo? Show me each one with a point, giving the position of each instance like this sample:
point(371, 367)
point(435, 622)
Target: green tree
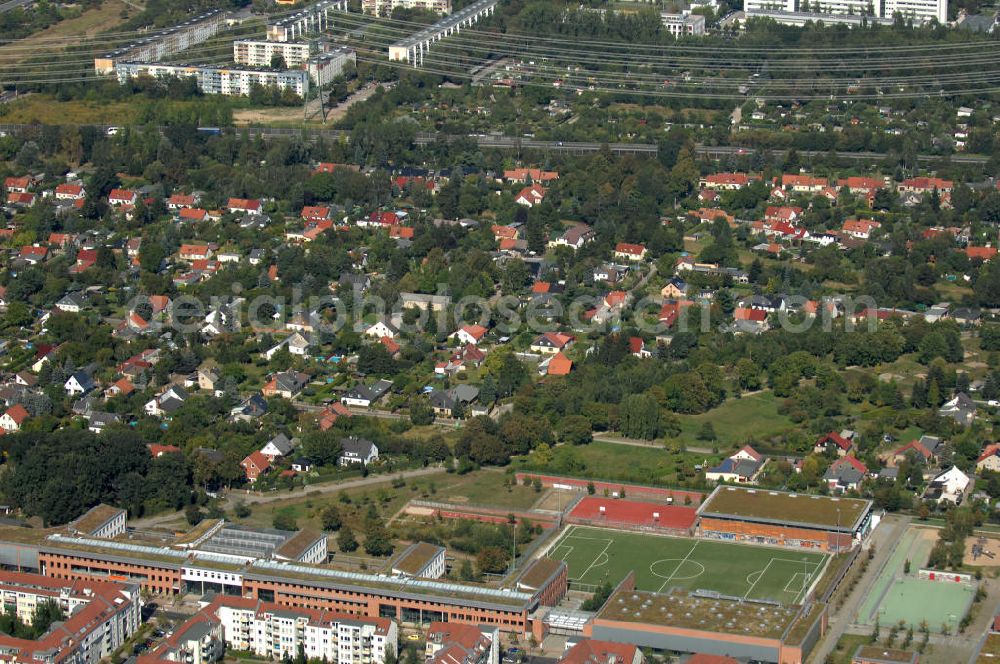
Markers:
point(330, 518)
point(378, 542)
point(346, 541)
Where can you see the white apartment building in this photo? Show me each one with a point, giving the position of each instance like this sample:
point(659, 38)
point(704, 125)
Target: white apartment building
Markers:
point(274, 631)
point(680, 25)
point(385, 7)
point(921, 11)
point(219, 80)
point(260, 52)
point(100, 617)
point(325, 67)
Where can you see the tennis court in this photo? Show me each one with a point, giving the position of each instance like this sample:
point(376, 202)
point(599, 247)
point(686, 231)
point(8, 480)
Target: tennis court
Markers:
point(596, 555)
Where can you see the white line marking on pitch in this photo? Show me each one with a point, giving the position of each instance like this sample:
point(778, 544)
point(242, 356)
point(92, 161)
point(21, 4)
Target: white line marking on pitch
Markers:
point(681, 563)
point(594, 561)
point(762, 573)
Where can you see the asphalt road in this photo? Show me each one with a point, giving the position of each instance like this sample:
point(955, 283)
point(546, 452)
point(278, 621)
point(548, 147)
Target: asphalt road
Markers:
point(14, 4)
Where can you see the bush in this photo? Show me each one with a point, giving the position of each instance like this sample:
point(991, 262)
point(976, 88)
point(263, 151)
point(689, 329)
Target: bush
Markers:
point(241, 510)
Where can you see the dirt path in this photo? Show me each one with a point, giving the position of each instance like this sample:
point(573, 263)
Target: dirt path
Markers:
point(255, 116)
point(273, 496)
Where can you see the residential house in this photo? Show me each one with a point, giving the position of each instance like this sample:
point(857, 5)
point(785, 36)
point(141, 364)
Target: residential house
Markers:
point(381, 329)
point(70, 192)
point(470, 334)
point(193, 252)
point(962, 409)
point(122, 197)
point(120, 388)
point(950, 486)
point(329, 415)
point(19, 185)
point(79, 383)
point(592, 651)
point(453, 402)
point(925, 185)
point(244, 206)
point(255, 465)
point(573, 237)
point(860, 229)
point(845, 474)
point(462, 643)
point(167, 402)
point(357, 450)
point(638, 348)
point(534, 175)
point(180, 201)
point(362, 396)
point(630, 252)
point(741, 467)
point(98, 421)
point(33, 254)
point(749, 320)
point(302, 465)
point(286, 384)
point(676, 289)
point(277, 447)
point(556, 365)
point(804, 184)
point(12, 420)
point(835, 443)
point(208, 378)
point(251, 408)
point(531, 195)
point(424, 301)
point(989, 460)
point(551, 343)
point(926, 450)
point(725, 181)
point(72, 303)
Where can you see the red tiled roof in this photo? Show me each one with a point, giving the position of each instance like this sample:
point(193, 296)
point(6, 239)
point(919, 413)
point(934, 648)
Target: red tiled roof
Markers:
point(559, 365)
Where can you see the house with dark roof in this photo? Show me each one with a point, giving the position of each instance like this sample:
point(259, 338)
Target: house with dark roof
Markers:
point(363, 396)
point(251, 408)
point(962, 409)
point(741, 467)
point(279, 446)
point(845, 474)
point(286, 384)
point(453, 402)
point(357, 450)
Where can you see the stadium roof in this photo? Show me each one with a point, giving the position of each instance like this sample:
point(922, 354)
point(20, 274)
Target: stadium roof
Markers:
point(779, 507)
point(684, 610)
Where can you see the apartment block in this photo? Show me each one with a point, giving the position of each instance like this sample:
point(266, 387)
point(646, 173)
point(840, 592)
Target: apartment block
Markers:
point(100, 617)
point(274, 631)
point(385, 7)
point(220, 80)
point(798, 11)
point(165, 43)
point(261, 52)
point(327, 66)
point(681, 25)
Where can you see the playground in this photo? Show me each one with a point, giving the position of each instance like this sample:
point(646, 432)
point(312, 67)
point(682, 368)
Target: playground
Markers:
point(982, 551)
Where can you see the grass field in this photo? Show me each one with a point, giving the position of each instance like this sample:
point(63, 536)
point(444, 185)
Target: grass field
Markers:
point(595, 555)
point(87, 24)
point(734, 419)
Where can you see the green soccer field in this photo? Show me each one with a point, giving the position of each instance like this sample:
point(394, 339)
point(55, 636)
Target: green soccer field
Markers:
point(596, 555)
